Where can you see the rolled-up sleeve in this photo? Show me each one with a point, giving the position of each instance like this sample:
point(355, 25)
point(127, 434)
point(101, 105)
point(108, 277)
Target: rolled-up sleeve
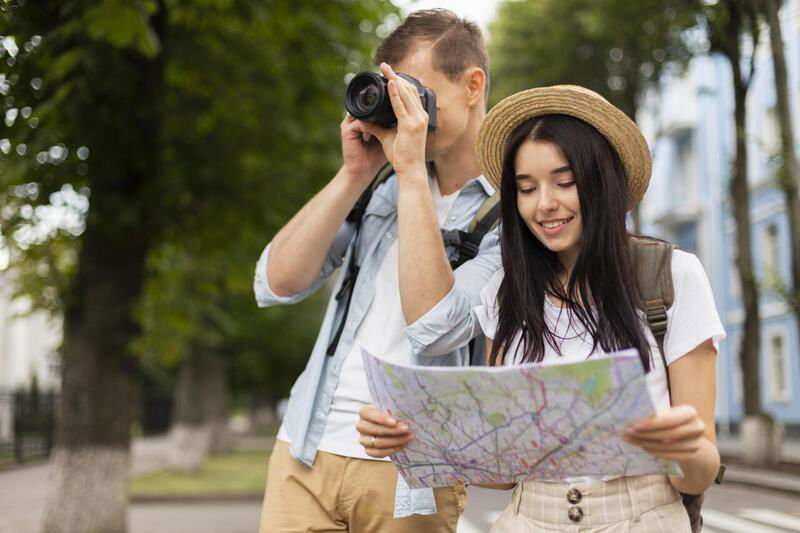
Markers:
point(451, 323)
point(264, 294)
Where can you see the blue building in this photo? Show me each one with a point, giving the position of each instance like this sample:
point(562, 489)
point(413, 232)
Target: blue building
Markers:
point(690, 127)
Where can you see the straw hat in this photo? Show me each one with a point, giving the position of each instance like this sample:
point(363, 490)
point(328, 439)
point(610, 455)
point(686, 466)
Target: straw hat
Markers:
point(575, 101)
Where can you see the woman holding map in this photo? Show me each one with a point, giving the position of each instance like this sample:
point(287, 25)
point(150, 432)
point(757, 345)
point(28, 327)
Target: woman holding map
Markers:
point(569, 167)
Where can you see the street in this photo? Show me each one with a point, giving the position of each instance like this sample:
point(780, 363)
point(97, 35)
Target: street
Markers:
point(729, 508)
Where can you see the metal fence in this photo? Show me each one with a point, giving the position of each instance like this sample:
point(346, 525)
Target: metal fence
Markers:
point(27, 423)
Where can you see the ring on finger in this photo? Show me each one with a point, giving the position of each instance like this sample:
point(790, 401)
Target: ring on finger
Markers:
point(373, 442)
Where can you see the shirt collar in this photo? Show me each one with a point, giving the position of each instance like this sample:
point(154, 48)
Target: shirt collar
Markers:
point(487, 187)
point(484, 183)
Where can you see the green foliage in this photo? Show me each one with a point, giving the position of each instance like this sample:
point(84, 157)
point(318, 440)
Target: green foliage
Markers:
point(246, 130)
point(123, 24)
point(615, 47)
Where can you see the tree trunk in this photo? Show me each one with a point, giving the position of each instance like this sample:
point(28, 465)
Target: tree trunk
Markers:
point(90, 463)
point(201, 408)
point(740, 195)
point(790, 175)
point(759, 432)
point(88, 489)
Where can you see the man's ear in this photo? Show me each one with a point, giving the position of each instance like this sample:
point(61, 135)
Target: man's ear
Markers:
point(475, 83)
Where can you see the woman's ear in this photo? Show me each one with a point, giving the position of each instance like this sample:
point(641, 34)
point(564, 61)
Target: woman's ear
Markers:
point(475, 82)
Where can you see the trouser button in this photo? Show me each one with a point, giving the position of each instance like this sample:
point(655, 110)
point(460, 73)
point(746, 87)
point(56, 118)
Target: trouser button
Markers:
point(574, 496)
point(575, 514)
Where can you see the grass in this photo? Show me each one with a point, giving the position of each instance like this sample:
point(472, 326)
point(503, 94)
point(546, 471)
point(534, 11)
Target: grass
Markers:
point(242, 472)
point(6, 458)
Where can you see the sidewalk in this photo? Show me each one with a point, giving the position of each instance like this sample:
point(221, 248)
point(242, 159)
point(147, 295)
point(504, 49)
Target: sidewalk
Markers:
point(730, 446)
point(784, 477)
point(23, 491)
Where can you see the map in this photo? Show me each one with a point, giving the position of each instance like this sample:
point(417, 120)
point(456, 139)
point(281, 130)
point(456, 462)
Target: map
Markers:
point(512, 423)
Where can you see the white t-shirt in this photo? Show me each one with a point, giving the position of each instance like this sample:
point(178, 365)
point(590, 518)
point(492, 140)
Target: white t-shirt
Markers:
point(382, 333)
point(691, 320)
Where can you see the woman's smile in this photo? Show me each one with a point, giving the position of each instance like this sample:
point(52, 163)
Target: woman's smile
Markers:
point(553, 228)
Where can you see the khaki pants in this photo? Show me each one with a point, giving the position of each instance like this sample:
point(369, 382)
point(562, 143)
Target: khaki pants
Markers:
point(345, 494)
point(640, 504)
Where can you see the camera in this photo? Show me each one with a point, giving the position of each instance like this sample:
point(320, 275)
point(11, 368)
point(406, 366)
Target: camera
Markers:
point(367, 98)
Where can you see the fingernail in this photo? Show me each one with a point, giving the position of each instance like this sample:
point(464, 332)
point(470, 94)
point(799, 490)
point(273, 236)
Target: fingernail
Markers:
point(391, 421)
point(403, 427)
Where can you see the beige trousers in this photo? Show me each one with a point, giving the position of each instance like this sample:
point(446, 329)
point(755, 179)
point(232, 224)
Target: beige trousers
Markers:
point(345, 494)
point(640, 504)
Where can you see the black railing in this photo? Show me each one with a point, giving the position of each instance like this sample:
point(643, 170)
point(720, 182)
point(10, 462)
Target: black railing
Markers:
point(30, 417)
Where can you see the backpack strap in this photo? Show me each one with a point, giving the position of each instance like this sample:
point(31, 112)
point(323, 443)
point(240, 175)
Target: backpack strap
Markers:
point(652, 261)
point(469, 242)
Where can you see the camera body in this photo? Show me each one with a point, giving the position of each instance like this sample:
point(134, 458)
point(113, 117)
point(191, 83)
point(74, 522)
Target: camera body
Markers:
point(367, 98)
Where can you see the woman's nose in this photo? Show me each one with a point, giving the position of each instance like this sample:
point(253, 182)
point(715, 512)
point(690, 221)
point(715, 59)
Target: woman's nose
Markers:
point(547, 200)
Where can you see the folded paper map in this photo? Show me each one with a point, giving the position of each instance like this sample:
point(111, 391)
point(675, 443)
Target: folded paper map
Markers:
point(512, 423)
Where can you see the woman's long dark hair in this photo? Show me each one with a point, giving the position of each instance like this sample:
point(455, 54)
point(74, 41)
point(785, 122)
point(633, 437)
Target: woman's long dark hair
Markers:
point(601, 294)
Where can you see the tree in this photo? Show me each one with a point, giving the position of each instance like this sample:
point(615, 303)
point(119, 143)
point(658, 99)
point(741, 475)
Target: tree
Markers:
point(199, 311)
point(729, 24)
point(617, 48)
point(116, 108)
point(614, 47)
point(789, 172)
point(98, 71)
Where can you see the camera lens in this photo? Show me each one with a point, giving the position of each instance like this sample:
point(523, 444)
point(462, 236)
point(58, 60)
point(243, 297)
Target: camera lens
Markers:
point(366, 99)
point(368, 96)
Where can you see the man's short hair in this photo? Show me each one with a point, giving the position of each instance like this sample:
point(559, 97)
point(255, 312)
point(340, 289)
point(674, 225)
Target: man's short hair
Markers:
point(457, 43)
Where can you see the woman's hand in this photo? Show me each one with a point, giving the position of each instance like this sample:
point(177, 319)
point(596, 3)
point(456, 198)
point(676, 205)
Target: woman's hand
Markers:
point(381, 434)
point(677, 434)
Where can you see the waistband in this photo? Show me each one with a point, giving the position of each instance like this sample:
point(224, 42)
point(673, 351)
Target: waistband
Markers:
point(592, 503)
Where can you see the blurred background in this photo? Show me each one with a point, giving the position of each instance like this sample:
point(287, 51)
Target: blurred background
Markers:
point(151, 148)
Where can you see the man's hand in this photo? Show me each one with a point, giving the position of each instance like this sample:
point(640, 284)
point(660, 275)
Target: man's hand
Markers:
point(403, 146)
point(381, 434)
point(361, 152)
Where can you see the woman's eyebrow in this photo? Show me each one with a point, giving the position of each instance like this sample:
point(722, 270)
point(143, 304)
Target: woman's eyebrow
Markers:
point(559, 170)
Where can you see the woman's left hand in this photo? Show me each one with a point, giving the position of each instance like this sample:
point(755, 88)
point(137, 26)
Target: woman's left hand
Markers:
point(675, 435)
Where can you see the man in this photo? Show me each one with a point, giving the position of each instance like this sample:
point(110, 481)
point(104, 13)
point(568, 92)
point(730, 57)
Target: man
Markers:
point(406, 303)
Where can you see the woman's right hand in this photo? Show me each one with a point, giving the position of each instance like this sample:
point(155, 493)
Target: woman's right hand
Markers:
point(381, 434)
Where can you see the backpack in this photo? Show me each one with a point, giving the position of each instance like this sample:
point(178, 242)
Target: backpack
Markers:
point(466, 242)
point(652, 262)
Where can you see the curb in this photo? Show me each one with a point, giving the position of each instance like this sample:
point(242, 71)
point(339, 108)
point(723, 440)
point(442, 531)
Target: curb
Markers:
point(167, 498)
point(11, 467)
point(758, 477)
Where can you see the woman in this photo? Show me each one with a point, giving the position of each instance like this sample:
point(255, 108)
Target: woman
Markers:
point(569, 166)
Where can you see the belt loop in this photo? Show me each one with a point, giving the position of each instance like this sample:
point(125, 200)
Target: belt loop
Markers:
point(632, 486)
point(516, 497)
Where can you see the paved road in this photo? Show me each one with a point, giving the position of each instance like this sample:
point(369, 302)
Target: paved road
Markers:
point(729, 508)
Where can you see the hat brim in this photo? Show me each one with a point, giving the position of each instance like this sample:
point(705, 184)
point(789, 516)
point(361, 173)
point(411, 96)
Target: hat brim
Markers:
point(579, 102)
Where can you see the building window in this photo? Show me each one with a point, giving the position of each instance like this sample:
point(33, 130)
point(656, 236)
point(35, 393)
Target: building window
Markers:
point(737, 385)
point(778, 385)
point(685, 168)
point(771, 250)
point(735, 283)
point(686, 236)
point(770, 135)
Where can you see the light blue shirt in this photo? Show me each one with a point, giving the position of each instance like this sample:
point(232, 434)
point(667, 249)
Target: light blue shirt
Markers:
point(440, 337)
